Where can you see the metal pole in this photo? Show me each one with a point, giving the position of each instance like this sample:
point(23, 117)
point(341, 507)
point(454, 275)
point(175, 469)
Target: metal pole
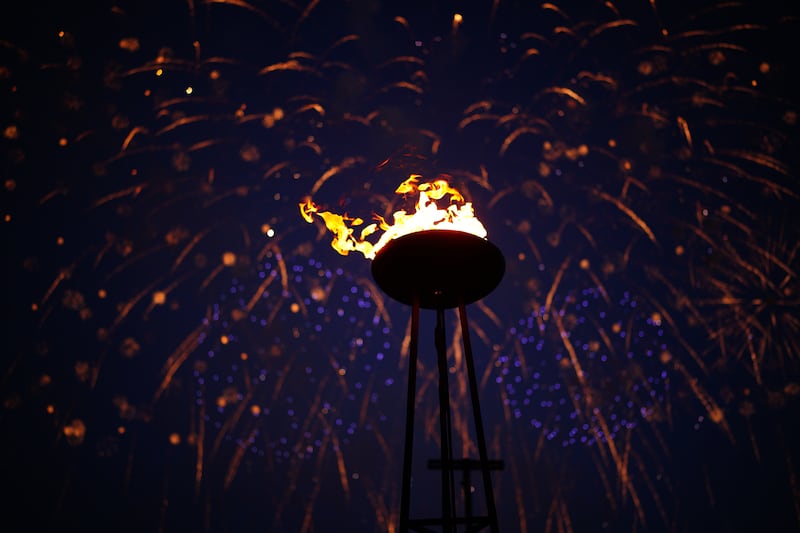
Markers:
point(448, 496)
point(476, 413)
point(405, 498)
point(466, 486)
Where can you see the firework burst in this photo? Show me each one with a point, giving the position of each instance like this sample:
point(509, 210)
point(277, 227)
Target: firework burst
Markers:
point(184, 341)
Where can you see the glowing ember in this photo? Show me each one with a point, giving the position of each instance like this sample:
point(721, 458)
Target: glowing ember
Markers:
point(458, 216)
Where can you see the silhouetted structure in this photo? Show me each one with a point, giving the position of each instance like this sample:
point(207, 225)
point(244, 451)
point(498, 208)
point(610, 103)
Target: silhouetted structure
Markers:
point(443, 269)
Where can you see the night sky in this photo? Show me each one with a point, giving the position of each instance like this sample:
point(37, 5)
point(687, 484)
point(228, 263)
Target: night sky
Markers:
point(184, 352)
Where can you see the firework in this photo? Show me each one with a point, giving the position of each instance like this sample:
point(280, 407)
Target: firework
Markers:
point(184, 341)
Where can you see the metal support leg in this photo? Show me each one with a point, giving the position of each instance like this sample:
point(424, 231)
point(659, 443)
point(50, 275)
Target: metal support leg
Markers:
point(476, 413)
point(445, 429)
point(405, 498)
point(449, 519)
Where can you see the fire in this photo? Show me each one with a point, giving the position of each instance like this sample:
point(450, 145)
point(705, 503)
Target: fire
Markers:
point(458, 216)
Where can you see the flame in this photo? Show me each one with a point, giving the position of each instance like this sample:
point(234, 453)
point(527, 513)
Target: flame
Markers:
point(458, 215)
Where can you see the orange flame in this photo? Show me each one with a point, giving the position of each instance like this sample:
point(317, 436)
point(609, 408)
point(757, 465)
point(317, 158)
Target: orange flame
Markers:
point(458, 215)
